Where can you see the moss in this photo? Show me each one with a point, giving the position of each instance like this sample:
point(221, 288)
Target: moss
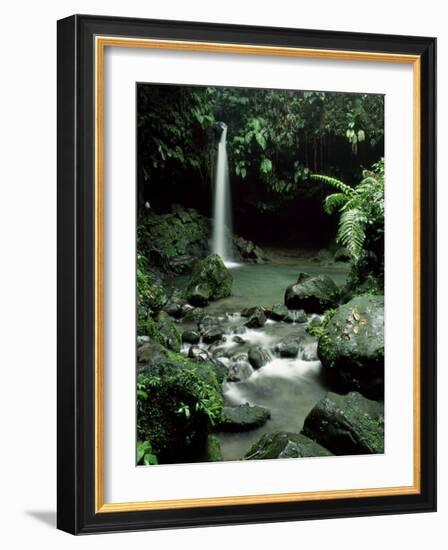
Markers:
point(163, 330)
point(349, 424)
point(180, 403)
point(210, 280)
point(166, 237)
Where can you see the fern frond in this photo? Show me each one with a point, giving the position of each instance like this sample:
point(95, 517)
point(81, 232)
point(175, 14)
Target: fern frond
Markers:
point(338, 184)
point(351, 231)
point(334, 201)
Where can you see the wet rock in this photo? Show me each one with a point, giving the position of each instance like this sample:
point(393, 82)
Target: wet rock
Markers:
point(248, 251)
point(243, 417)
point(296, 316)
point(207, 322)
point(347, 424)
point(239, 330)
point(213, 334)
point(308, 352)
point(351, 348)
point(238, 340)
point(193, 314)
point(258, 357)
point(239, 370)
point(174, 309)
point(341, 255)
point(314, 294)
point(288, 348)
point(285, 445)
point(198, 353)
point(190, 337)
point(209, 281)
point(279, 312)
point(256, 319)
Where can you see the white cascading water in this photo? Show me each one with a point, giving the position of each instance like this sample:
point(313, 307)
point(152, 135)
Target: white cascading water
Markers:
point(222, 215)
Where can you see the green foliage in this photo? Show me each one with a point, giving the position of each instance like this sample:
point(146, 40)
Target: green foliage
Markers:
point(361, 209)
point(151, 293)
point(173, 138)
point(318, 329)
point(275, 137)
point(145, 454)
point(178, 402)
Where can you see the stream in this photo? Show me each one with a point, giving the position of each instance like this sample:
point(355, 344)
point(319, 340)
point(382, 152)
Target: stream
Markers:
point(288, 387)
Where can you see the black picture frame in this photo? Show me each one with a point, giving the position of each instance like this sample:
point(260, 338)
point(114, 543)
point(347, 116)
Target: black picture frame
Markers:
point(76, 286)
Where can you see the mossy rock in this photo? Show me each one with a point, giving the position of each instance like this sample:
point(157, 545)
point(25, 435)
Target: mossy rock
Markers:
point(179, 402)
point(149, 352)
point(210, 280)
point(285, 445)
point(314, 294)
point(163, 330)
point(351, 347)
point(347, 424)
point(152, 295)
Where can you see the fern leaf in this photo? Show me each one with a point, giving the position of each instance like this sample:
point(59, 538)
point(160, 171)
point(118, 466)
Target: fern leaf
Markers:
point(338, 184)
point(334, 201)
point(351, 231)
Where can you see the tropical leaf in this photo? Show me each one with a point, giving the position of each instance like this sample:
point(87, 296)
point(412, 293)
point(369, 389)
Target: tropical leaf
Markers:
point(338, 184)
point(335, 200)
point(351, 231)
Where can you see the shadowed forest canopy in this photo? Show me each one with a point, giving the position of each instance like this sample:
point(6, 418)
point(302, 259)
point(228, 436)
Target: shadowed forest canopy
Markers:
point(276, 139)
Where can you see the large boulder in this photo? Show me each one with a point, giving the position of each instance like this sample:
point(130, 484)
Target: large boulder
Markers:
point(179, 401)
point(314, 294)
point(351, 348)
point(209, 281)
point(285, 445)
point(243, 417)
point(347, 424)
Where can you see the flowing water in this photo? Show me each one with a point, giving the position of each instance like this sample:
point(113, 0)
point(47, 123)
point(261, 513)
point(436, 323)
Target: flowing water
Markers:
point(222, 217)
point(289, 388)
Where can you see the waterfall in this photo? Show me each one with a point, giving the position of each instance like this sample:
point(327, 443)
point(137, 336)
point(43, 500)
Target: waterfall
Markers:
point(222, 215)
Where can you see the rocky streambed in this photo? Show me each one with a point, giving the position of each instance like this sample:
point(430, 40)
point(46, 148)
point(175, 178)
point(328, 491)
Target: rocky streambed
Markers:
point(272, 373)
point(261, 362)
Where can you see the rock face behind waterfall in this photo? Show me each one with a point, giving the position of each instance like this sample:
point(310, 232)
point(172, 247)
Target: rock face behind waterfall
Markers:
point(285, 445)
point(174, 241)
point(352, 347)
point(209, 281)
point(314, 294)
point(347, 424)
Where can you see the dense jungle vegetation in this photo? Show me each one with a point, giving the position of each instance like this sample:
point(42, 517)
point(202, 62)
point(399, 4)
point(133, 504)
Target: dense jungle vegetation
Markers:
point(279, 353)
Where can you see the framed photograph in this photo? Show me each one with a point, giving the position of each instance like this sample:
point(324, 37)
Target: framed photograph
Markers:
point(246, 274)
